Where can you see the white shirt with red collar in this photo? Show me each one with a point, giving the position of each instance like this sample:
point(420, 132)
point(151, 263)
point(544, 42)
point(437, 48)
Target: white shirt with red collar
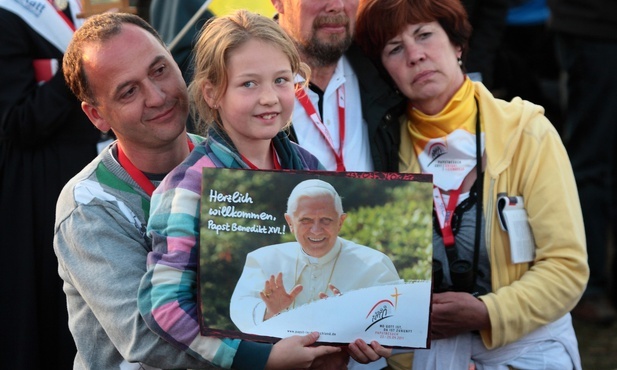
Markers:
point(356, 149)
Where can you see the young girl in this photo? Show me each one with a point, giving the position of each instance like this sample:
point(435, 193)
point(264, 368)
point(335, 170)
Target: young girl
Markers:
point(243, 93)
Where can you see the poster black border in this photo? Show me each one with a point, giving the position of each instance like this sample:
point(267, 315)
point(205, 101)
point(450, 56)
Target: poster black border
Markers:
point(236, 334)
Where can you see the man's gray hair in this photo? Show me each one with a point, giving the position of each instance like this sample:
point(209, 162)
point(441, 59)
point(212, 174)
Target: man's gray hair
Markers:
point(313, 188)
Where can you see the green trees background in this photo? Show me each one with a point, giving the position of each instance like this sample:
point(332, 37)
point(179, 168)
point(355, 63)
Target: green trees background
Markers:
point(393, 216)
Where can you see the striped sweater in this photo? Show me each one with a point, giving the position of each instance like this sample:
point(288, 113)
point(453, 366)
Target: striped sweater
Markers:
point(168, 293)
point(101, 245)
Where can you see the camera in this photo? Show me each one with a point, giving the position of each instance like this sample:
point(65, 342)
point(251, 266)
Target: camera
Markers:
point(461, 274)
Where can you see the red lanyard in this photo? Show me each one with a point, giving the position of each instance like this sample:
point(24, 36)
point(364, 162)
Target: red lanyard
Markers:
point(140, 178)
point(312, 113)
point(275, 160)
point(63, 16)
point(445, 213)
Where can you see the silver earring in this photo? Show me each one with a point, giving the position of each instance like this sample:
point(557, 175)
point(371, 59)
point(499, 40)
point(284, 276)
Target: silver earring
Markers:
point(460, 62)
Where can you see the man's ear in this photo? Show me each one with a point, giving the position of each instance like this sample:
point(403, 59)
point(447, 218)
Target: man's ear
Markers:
point(288, 219)
point(209, 93)
point(96, 119)
point(342, 220)
point(278, 5)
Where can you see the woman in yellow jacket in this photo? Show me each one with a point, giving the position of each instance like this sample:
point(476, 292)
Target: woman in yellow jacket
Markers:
point(511, 270)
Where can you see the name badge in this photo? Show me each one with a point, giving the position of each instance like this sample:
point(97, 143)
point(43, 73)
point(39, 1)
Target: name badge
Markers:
point(513, 219)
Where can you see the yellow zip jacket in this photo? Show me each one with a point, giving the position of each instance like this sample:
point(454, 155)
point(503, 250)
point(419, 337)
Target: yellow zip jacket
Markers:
point(525, 157)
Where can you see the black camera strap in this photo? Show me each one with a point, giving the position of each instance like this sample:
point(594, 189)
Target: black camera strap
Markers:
point(448, 211)
point(479, 191)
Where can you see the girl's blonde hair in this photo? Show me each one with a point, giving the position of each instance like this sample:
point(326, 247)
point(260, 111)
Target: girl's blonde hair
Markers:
point(218, 39)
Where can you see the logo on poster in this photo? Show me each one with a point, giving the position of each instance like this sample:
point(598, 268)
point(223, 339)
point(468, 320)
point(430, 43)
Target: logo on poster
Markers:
point(382, 309)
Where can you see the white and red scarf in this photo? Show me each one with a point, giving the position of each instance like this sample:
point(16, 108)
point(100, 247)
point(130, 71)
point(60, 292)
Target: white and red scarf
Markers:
point(44, 17)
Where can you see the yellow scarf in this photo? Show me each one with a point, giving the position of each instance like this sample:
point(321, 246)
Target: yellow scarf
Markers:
point(444, 143)
point(459, 113)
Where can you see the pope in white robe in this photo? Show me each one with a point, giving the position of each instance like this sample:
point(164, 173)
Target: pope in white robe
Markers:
point(319, 264)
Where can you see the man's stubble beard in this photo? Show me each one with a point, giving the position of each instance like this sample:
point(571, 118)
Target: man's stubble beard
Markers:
point(321, 54)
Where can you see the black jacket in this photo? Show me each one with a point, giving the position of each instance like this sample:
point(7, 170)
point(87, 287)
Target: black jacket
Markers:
point(590, 18)
point(45, 139)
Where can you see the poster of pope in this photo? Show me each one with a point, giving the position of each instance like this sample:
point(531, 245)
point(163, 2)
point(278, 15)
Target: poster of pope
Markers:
point(345, 255)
